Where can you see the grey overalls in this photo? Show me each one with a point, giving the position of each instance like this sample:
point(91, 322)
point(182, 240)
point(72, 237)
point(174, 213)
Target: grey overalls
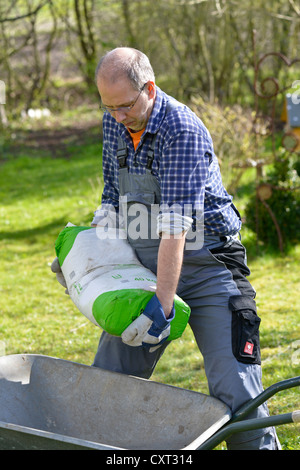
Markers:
point(214, 285)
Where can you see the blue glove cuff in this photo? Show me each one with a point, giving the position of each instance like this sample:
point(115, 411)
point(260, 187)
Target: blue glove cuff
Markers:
point(154, 311)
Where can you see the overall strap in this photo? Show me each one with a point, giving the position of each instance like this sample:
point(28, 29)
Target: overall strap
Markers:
point(150, 155)
point(122, 153)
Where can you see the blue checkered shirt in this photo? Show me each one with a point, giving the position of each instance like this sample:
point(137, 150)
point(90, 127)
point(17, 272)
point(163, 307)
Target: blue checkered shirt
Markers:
point(184, 164)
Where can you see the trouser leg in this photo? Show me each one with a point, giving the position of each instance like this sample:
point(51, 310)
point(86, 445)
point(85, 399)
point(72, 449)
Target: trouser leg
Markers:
point(220, 298)
point(114, 355)
point(229, 380)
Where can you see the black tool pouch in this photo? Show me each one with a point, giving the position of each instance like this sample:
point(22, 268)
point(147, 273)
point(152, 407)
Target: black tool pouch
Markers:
point(245, 329)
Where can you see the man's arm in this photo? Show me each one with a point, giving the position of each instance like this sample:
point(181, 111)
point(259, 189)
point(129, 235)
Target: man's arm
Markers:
point(152, 327)
point(170, 257)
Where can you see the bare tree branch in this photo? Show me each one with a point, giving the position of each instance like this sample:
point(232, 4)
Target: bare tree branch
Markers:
point(26, 15)
point(295, 8)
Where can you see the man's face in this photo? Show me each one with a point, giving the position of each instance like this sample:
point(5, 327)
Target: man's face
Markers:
point(121, 94)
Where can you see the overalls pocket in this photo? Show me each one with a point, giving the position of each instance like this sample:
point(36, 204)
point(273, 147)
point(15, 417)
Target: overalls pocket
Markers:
point(245, 329)
point(144, 197)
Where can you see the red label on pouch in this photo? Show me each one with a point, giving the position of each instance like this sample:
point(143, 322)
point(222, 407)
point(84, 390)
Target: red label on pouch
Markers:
point(248, 349)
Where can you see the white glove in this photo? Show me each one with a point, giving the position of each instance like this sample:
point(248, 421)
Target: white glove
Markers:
point(150, 328)
point(135, 332)
point(55, 268)
point(150, 339)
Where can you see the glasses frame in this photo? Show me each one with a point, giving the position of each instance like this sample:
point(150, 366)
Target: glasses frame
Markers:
point(124, 109)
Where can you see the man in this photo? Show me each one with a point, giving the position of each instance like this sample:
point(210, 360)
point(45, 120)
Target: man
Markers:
point(159, 168)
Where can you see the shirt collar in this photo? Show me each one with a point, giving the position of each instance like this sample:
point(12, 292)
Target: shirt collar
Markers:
point(158, 112)
point(156, 117)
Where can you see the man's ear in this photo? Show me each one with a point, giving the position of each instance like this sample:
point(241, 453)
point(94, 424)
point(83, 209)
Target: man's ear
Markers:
point(150, 87)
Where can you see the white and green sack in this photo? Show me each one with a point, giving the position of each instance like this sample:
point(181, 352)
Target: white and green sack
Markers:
point(107, 282)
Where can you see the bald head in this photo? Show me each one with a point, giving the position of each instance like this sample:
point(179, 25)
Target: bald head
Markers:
point(125, 62)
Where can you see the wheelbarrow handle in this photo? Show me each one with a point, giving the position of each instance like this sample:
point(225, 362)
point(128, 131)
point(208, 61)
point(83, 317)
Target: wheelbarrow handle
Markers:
point(249, 425)
point(251, 405)
point(296, 416)
point(238, 424)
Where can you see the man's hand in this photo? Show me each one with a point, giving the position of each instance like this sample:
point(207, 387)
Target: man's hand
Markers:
point(151, 328)
point(135, 332)
point(55, 268)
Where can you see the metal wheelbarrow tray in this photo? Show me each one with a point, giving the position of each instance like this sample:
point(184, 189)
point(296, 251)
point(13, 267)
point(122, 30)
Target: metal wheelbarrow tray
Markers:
point(49, 403)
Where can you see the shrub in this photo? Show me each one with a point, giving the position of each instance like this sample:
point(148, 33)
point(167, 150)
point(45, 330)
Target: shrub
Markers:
point(231, 129)
point(280, 202)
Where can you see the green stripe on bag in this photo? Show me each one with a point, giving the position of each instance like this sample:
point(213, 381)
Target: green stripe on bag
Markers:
point(114, 311)
point(65, 241)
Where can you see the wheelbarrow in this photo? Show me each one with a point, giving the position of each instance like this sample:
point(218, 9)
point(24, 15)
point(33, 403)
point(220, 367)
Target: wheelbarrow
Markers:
point(49, 403)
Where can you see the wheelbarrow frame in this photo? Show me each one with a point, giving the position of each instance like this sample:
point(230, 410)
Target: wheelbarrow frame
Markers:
point(223, 425)
point(238, 423)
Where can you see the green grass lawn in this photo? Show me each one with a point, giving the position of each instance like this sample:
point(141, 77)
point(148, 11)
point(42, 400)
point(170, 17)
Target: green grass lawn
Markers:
point(39, 194)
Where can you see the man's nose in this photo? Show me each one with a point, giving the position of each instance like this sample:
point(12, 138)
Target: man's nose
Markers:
point(119, 116)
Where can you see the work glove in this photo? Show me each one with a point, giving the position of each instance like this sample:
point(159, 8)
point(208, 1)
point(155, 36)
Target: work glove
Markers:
point(151, 329)
point(55, 268)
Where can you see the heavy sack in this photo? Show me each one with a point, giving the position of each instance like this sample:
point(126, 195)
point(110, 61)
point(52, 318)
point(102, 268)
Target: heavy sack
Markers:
point(106, 281)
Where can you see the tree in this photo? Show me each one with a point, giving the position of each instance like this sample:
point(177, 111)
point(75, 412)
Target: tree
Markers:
point(25, 58)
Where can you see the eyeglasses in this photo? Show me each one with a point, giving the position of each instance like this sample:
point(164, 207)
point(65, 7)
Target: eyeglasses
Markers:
point(124, 109)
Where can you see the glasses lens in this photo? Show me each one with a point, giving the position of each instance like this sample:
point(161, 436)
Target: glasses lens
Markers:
point(124, 109)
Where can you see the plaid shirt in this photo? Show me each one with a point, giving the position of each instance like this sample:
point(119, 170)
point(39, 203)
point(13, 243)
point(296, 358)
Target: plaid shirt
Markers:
point(184, 164)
